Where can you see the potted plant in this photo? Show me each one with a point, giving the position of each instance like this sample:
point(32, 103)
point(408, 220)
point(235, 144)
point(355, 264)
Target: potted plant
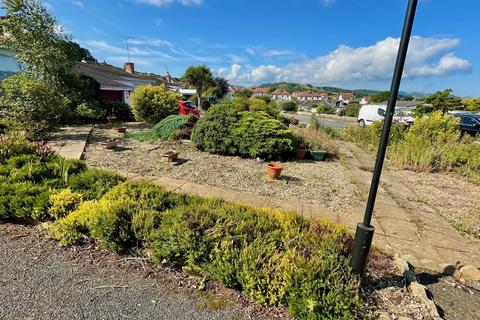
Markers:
point(109, 144)
point(111, 119)
point(121, 129)
point(302, 150)
point(169, 156)
point(274, 169)
point(317, 151)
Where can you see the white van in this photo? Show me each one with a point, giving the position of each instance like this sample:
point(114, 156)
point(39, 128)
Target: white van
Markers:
point(372, 112)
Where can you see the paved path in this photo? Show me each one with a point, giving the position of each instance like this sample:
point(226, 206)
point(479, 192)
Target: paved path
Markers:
point(70, 142)
point(406, 226)
point(41, 281)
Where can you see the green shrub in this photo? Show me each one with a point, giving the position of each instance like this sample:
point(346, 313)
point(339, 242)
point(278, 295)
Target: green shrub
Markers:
point(121, 110)
point(325, 109)
point(124, 215)
point(431, 144)
point(62, 202)
point(90, 112)
point(351, 110)
point(369, 137)
point(152, 104)
point(93, 183)
point(213, 132)
point(35, 106)
point(289, 106)
point(258, 135)
point(14, 143)
point(23, 201)
point(260, 105)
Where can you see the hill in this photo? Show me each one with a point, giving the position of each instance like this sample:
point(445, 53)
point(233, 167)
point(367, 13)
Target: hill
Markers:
point(292, 87)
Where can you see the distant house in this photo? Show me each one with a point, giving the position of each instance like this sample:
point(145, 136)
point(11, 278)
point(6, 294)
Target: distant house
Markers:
point(281, 94)
point(364, 100)
point(232, 90)
point(259, 92)
point(346, 97)
point(310, 96)
point(116, 84)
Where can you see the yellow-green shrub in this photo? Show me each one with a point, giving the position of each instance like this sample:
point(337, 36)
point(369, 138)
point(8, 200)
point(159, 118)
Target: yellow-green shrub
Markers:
point(63, 202)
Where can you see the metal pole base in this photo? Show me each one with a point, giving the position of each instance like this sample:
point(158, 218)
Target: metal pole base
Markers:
point(361, 248)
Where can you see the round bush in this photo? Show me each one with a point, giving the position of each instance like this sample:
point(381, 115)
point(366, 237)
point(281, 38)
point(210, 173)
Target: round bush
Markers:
point(151, 104)
point(258, 135)
point(213, 131)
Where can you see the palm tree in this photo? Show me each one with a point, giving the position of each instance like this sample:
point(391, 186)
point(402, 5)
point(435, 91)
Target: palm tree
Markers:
point(200, 77)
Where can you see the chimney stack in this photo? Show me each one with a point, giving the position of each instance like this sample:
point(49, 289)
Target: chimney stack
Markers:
point(129, 67)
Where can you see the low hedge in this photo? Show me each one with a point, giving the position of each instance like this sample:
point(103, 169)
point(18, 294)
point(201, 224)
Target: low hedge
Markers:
point(275, 257)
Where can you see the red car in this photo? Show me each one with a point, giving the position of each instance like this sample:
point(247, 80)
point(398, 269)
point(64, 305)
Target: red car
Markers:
point(186, 108)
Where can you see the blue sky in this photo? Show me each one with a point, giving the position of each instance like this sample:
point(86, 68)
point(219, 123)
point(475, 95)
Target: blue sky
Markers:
point(346, 43)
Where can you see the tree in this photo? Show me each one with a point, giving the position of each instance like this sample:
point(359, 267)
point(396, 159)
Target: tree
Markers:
point(380, 96)
point(441, 100)
point(75, 52)
point(34, 105)
point(222, 85)
point(154, 103)
point(36, 41)
point(200, 77)
point(472, 104)
point(244, 93)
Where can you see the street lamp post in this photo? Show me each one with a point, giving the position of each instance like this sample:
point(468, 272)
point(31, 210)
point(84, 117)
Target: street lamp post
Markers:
point(364, 232)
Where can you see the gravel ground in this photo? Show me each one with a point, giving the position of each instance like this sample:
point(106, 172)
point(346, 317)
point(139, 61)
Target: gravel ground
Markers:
point(320, 183)
point(450, 195)
point(40, 280)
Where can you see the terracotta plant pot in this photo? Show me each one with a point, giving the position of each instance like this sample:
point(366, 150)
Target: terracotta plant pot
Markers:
point(111, 144)
point(274, 169)
point(300, 154)
point(111, 119)
point(121, 129)
point(169, 156)
point(318, 155)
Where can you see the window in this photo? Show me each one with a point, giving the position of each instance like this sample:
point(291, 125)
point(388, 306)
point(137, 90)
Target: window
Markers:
point(469, 121)
point(381, 112)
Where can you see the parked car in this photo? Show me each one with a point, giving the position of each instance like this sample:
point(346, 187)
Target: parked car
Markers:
point(371, 112)
point(469, 122)
point(186, 108)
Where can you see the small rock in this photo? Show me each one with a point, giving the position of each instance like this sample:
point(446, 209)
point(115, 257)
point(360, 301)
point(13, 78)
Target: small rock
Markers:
point(384, 316)
point(401, 264)
point(420, 292)
point(468, 273)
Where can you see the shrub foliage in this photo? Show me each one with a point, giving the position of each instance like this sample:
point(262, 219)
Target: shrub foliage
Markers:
point(152, 104)
point(225, 129)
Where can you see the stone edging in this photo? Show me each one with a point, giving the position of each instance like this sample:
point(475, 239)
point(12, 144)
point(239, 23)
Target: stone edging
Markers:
point(417, 289)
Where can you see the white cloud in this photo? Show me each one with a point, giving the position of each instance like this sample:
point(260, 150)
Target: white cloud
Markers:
point(150, 42)
point(163, 3)
point(78, 3)
point(103, 46)
point(426, 57)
